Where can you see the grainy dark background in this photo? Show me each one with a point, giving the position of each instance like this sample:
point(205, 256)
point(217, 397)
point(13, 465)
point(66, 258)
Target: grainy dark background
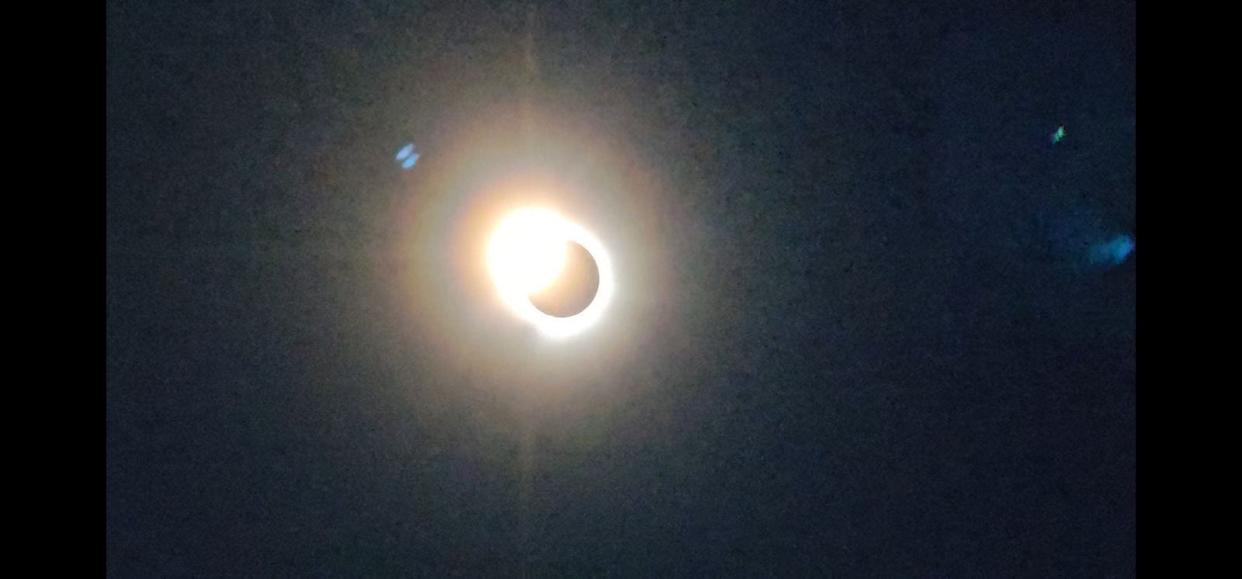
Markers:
point(887, 358)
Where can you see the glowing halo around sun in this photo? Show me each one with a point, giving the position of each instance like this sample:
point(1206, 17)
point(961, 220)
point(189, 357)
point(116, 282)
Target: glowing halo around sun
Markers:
point(527, 252)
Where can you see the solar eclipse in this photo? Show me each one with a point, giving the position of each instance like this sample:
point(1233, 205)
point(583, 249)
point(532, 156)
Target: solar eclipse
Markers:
point(549, 271)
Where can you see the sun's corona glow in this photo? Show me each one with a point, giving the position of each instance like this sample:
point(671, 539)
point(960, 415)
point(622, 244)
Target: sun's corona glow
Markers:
point(527, 252)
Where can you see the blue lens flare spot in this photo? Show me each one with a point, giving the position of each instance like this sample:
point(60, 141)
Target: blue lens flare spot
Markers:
point(1112, 252)
point(407, 157)
point(1058, 135)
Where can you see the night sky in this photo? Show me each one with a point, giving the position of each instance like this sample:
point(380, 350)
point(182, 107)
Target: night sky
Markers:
point(863, 335)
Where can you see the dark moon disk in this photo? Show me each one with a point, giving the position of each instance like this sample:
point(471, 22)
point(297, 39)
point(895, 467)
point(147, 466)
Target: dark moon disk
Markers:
point(574, 289)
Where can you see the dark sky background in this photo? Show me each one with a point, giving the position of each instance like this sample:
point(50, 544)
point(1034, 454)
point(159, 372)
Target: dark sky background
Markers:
point(879, 349)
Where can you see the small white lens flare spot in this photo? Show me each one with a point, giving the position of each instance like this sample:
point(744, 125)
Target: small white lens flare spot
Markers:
point(527, 253)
